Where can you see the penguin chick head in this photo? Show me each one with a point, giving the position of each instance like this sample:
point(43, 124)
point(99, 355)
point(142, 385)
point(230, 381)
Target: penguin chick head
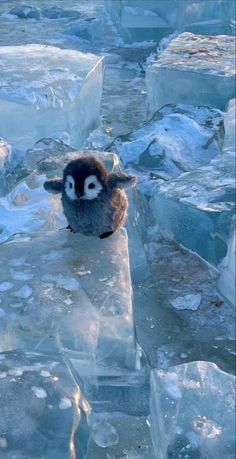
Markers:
point(84, 178)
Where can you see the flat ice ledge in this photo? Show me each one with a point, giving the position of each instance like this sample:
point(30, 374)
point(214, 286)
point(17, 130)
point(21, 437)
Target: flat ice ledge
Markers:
point(64, 291)
point(193, 69)
point(48, 89)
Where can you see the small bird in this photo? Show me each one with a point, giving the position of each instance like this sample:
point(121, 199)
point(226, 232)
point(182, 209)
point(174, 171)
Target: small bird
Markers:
point(93, 199)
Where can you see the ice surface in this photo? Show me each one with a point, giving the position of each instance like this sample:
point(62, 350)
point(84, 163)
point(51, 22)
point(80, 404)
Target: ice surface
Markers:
point(178, 139)
point(196, 208)
point(60, 90)
point(72, 292)
point(132, 432)
point(193, 69)
point(43, 412)
point(230, 127)
point(138, 20)
point(192, 412)
point(227, 279)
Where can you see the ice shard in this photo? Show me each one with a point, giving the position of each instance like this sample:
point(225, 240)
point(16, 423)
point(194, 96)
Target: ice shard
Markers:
point(49, 90)
point(192, 412)
point(43, 412)
point(193, 69)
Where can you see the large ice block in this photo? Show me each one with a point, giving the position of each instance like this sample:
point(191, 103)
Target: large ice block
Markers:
point(192, 412)
point(48, 89)
point(230, 127)
point(70, 291)
point(43, 412)
point(138, 20)
point(227, 268)
point(193, 69)
point(177, 139)
point(196, 208)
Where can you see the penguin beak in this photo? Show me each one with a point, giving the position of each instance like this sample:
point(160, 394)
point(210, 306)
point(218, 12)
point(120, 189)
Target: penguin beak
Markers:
point(79, 194)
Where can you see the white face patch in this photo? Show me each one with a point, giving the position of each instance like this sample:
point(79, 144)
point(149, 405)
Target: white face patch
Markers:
point(92, 187)
point(70, 187)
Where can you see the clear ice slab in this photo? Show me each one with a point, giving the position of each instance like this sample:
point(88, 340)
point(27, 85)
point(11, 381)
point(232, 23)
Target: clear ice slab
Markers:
point(193, 69)
point(49, 90)
point(192, 412)
point(196, 208)
point(66, 291)
point(43, 412)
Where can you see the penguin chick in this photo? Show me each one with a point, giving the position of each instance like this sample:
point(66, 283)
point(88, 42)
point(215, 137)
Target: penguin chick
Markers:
point(94, 200)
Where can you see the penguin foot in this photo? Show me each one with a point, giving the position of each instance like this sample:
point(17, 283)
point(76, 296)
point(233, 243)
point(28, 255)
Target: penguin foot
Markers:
point(105, 235)
point(71, 230)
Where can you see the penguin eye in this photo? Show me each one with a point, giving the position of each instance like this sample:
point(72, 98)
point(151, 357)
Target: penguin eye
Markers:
point(91, 186)
point(70, 185)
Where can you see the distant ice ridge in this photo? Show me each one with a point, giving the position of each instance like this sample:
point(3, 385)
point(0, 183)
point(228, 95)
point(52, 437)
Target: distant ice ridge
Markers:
point(137, 20)
point(192, 412)
point(193, 69)
point(48, 89)
point(46, 414)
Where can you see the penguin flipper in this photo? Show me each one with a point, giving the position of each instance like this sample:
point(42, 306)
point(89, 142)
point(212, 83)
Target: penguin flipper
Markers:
point(121, 180)
point(105, 235)
point(53, 186)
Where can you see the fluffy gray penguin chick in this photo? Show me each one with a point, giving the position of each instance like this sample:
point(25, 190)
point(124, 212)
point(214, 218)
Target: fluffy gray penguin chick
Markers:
point(93, 199)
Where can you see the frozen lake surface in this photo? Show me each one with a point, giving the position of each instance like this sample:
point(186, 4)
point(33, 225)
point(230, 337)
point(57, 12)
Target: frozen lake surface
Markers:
point(122, 348)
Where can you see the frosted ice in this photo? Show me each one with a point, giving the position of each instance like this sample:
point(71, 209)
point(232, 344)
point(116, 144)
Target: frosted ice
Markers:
point(227, 268)
point(59, 91)
point(196, 208)
point(89, 315)
point(193, 69)
point(189, 301)
point(32, 422)
point(230, 127)
point(192, 412)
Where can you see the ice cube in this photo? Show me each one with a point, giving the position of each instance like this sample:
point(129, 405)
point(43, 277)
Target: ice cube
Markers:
point(88, 315)
point(193, 69)
point(227, 279)
point(230, 127)
point(192, 411)
point(33, 422)
point(48, 89)
point(196, 208)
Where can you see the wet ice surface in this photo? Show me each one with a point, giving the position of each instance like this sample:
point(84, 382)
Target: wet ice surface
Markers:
point(70, 292)
point(192, 412)
point(43, 411)
point(193, 69)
